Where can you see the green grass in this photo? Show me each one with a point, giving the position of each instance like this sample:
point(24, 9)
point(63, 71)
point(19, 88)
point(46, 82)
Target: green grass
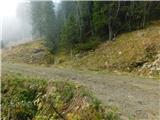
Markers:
point(26, 98)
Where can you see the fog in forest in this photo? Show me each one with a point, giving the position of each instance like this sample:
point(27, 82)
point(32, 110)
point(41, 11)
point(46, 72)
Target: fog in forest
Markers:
point(15, 31)
point(17, 27)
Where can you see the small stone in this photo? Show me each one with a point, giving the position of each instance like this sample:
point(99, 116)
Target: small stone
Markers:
point(120, 53)
point(140, 102)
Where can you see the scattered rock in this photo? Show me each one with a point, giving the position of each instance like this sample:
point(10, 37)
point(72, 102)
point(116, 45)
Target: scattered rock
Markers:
point(38, 50)
point(120, 53)
point(124, 118)
point(151, 68)
point(140, 102)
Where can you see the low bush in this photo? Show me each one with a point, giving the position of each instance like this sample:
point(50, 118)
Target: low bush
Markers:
point(90, 44)
point(25, 98)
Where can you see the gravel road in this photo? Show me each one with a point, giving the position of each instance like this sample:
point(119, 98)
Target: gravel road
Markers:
point(135, 97)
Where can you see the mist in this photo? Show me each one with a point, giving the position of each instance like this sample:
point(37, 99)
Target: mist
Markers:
point(17, 29)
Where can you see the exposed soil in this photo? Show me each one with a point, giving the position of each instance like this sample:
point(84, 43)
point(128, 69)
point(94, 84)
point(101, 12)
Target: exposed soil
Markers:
point(135, 97)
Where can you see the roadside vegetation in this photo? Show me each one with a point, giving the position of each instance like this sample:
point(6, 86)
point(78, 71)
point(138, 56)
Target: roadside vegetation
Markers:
point(33, 52)
point(135, 52)
point(117, 36)
point(25, 98)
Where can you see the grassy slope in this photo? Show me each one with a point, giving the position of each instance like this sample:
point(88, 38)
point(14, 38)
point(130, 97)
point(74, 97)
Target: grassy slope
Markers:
point(137, 51)
point(32, 53)
point(26, 98)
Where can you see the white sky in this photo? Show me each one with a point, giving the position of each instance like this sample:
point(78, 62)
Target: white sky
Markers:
point(8, 9)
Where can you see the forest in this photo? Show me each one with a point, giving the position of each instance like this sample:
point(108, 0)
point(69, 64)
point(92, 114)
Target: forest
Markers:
point(81, 26)
point(80, 60)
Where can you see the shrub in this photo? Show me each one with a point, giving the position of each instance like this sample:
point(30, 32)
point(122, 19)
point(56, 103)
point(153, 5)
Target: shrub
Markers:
point(91, 44)
point(26, 98)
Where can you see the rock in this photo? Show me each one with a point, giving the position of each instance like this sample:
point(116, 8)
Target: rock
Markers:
point(158, 69)
point(151, 67)
point(140, 34)
point(140, 102)
point(38, 50)
point(106, 63)
point(124, 118)
point(120, 53)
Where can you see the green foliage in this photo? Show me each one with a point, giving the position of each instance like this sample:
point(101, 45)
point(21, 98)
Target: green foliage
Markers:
point(101, 16)
point(43, 22)
point(112, 116)
point(154, 11)
point(91, 44)
point(26, 98)
point(105, 19)
point(75, 21)
point(69, 34)
point(17, 102)
point(118, 17)
point(91, 114)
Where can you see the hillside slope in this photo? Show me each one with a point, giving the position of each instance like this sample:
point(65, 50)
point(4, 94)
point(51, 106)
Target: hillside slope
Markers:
point(33, 52)
point(137, 51)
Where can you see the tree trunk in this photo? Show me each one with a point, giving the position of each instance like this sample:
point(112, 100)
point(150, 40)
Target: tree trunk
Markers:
point(110, 25)
point(119, 5)
point(110, 30)
point(90, 17)
point(71, 53)
point(79, 19)
point(144, 15)
point(146, 9)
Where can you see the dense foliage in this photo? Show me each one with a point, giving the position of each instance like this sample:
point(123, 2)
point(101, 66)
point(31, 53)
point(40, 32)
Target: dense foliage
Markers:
point(76, 22)
point(26, 98)
point(43, 22)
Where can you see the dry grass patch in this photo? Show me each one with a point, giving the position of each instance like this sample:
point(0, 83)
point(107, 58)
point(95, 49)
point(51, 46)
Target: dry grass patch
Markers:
point(129, 52)
point(32, 53)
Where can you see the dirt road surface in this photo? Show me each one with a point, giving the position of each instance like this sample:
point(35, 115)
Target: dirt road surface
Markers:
point(135, 97)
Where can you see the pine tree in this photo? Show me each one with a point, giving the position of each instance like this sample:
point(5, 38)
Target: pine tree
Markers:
point(43, 17)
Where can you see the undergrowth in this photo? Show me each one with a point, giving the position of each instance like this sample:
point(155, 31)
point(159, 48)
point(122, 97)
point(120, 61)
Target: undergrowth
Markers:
point(129, 52)
point(33, 52)
point(26, 98)
point(136, 52)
